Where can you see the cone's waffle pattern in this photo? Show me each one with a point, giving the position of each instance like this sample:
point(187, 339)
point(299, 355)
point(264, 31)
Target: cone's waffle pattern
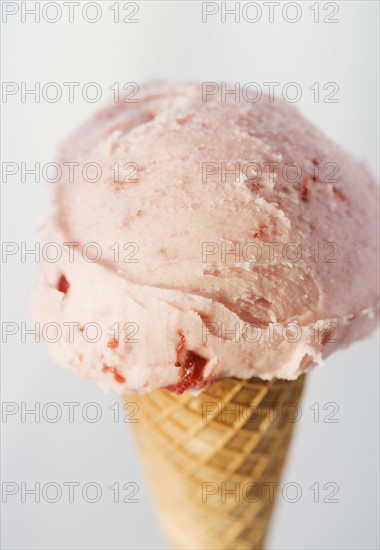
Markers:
point(213, 461)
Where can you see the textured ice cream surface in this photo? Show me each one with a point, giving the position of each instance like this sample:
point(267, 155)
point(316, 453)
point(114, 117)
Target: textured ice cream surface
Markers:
point(235, 238)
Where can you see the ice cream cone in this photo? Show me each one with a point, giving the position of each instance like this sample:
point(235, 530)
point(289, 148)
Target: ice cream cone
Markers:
point(214, 461)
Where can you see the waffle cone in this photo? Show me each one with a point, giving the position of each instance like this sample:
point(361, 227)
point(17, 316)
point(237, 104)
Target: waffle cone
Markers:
point(214, 461)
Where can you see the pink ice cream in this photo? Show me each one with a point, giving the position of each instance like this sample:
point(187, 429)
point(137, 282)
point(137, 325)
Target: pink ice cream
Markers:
point(235, 240)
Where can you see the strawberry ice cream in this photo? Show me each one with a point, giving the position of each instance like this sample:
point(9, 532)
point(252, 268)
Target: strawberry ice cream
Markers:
point(231, 239)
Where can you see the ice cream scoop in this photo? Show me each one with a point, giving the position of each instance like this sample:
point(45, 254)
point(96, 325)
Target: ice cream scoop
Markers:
point(227, 239)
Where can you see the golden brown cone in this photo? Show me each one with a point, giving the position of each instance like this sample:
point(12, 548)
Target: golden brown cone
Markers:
point(213, 461)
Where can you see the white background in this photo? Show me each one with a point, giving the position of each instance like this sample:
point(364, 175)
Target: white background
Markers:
point(170, 41)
